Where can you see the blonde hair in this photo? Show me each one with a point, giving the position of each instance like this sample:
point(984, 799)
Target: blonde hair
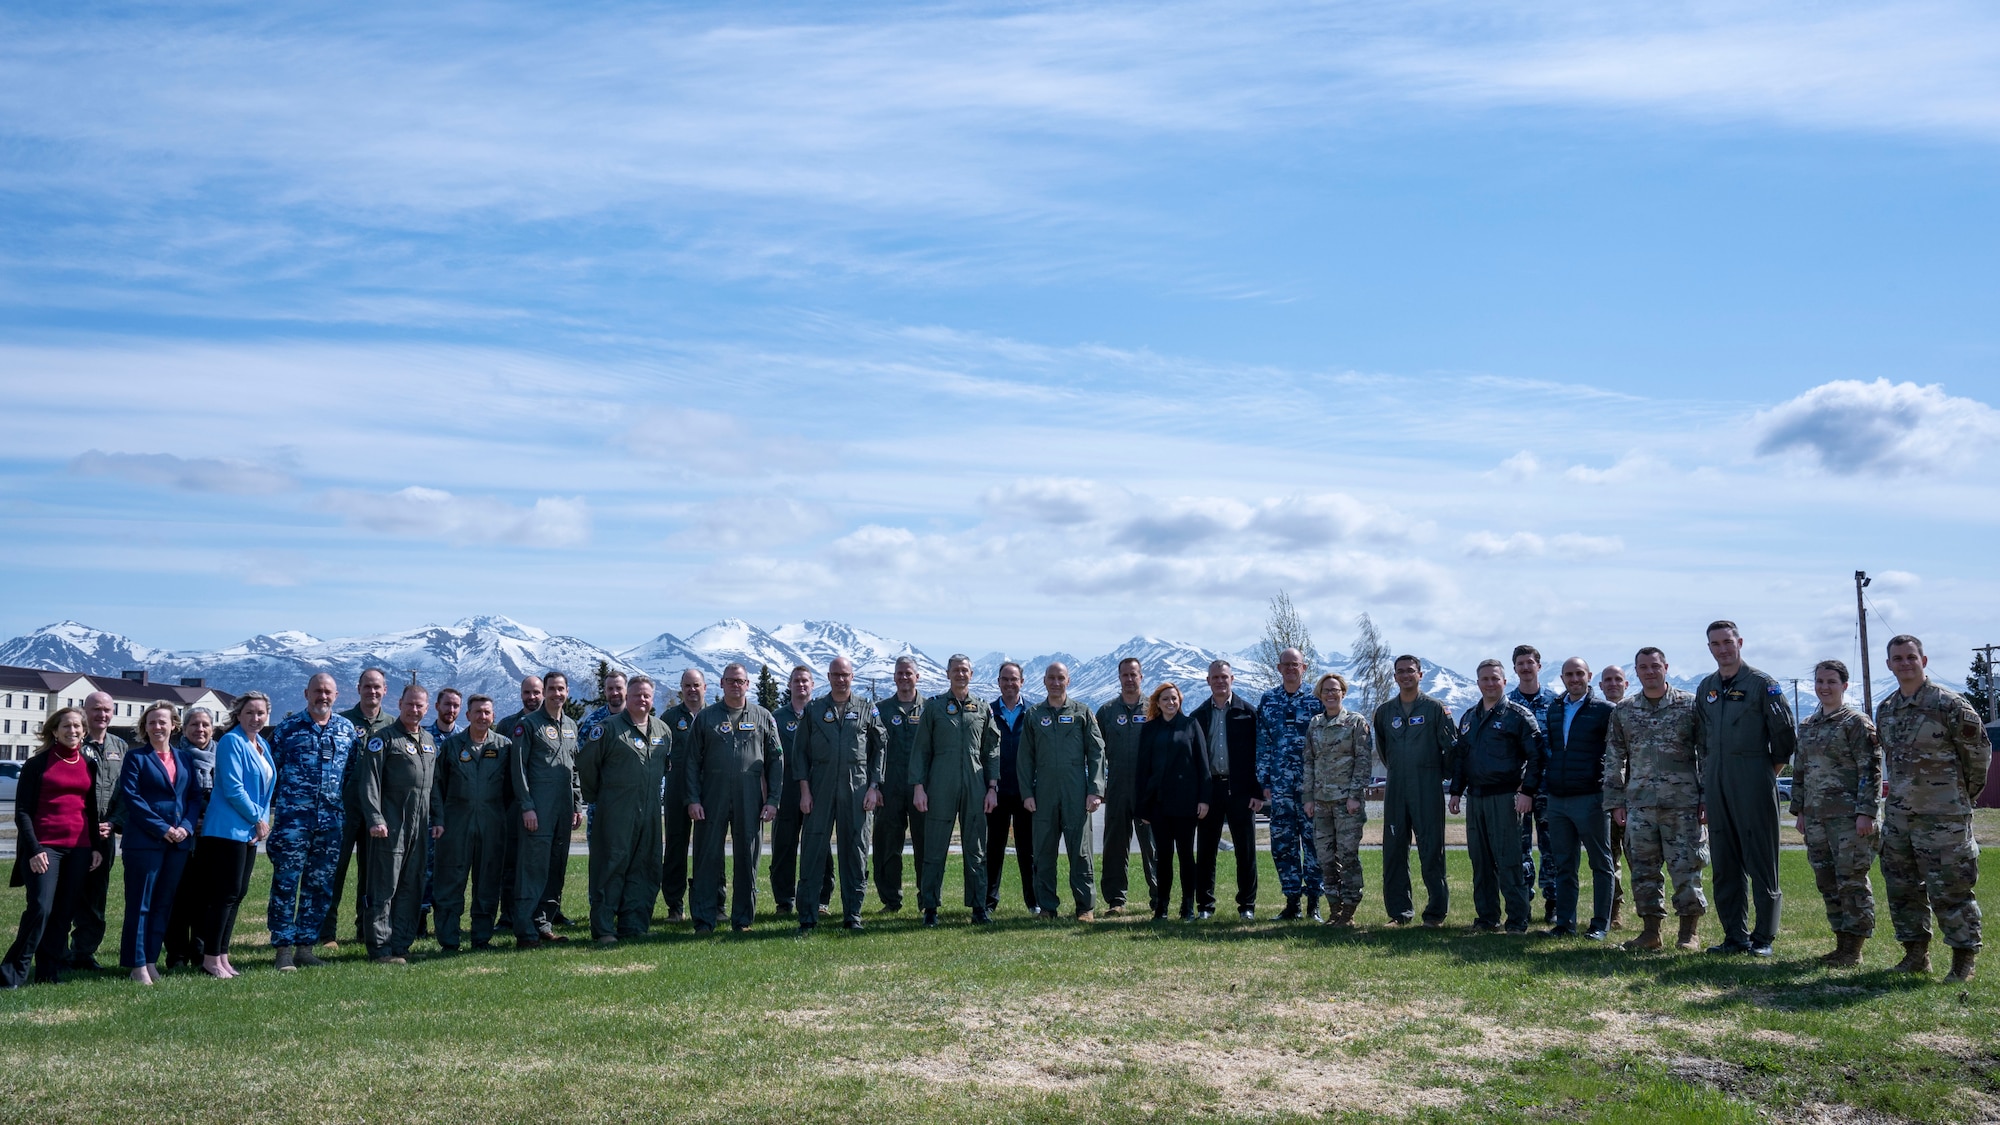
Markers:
point(173, 718)
point(1335, 677)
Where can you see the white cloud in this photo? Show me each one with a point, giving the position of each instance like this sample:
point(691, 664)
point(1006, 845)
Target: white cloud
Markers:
point(711, 443)
point(1325, 518)
point(1527, 544)
point(431, 513)
point(1521, 466)
point(1632, 466)
point(1895, 580)
point(1850, 427)
point(1065, 501)
point(196, 474)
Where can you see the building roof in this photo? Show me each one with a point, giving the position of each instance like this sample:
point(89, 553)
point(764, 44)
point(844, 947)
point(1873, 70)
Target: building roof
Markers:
point(136, 687)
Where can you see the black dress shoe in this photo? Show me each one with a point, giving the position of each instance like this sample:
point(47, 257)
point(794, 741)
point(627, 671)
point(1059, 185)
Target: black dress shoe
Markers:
point(84, 964)
point(930, 918)
point(852, 925)
point(703, 928)
point(1759, 948)
point(1732, 945)
point(1291, 911)
point(981, 918)
point(784, 908)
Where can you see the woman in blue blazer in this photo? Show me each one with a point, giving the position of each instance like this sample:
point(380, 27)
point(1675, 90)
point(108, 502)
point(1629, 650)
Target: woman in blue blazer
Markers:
point(157, 788)
point(238, 818)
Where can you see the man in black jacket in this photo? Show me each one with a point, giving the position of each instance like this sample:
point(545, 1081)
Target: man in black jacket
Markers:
point(1235, 791)
point(1497, 768)
point(1573, 786)
point(1009, 712)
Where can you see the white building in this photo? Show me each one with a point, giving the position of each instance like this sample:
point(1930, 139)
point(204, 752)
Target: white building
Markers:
point(29, 695)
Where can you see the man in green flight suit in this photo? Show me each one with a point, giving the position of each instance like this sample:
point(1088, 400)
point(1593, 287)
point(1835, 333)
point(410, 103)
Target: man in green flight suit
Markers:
point(679, 829)
point(469, 801)
point(1061, 766)
point(551, 808)
point(370, 719)
point(620, 768)
point(1415, 735)
point(900, 714)
point(1120, 720)
point(393, 792)
point(955, 781)
point(1744, 727)
point(789, 828)
point(735, 766)
point(840, 771)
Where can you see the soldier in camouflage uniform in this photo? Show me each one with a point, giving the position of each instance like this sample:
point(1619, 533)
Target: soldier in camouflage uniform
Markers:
point(1282, 718)
point(1937, 755)
point(1837, 798)
point(310, 749)
point(678, 829)
point(469, 799)
point(1653, 786)
point(620, 767)
point(1339, 762)
point(393, 791)
point(370, 718)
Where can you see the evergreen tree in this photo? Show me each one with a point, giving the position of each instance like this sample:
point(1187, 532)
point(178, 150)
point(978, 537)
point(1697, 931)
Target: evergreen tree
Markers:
point(603, 673)
point(1979, 688)
point(767, 688)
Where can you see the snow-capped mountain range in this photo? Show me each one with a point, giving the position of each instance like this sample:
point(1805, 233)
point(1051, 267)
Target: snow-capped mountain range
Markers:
point(490, 654)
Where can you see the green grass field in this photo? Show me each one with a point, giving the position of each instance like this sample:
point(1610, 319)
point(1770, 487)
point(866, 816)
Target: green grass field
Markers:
point(1124, 1020)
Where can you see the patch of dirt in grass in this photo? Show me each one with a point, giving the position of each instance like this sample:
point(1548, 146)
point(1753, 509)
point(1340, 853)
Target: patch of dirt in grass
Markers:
point(476, 971)
point(821, 1018)
point(1835, 1113)
point(1724, 1076)
point(1636, 1031)
point(1956, 1046)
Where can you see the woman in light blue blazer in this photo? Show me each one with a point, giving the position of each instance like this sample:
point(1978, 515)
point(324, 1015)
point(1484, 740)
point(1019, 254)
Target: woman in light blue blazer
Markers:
point(157, 788)
point(238, 818)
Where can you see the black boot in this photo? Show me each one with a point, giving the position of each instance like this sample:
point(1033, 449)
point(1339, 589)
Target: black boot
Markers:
point(930, 918)
point(1291, 911)
point(1312, 905)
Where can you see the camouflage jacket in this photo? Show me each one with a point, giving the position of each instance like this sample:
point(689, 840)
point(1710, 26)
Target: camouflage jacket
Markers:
point(1339, 757)
point(1652, 760)
point(1282, 719)
point(1838, 770)
point(1935, 750)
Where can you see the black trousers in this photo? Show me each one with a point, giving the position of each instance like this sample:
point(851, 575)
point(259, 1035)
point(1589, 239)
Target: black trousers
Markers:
point(1174, 836)
point(1232, 810)
point(222, 871)
point(1009, 813)
point(87, 925)
point(53, 899)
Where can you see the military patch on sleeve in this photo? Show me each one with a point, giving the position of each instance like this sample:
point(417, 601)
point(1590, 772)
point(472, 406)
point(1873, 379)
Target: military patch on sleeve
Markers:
point(1775, 690)
point(596, 732)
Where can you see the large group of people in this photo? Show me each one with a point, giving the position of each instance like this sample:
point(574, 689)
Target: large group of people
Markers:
point(469, 828)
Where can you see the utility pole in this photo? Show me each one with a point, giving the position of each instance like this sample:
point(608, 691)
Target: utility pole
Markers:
point(1796, 718)
point(1992, 697)
point(1861, 581)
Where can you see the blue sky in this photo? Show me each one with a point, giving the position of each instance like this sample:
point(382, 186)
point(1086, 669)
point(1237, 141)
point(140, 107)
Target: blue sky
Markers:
point(1030, 328)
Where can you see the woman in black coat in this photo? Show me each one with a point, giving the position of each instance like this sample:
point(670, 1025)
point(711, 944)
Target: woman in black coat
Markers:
point(1174, 792)
point(57, 843)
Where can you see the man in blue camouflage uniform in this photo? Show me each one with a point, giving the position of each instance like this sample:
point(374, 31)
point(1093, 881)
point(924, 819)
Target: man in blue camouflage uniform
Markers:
point(1284, 716)
point(450, 701)
point(310, 749)
point(1531, 693)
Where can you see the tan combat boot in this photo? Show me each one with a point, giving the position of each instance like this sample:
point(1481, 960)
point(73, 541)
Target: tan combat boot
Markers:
point(1649, 937)
point(1617, 913)
point(1849, 953)
point(1839, 949)
point(1690, 938)
point(1916, 957)
point(1961, 964)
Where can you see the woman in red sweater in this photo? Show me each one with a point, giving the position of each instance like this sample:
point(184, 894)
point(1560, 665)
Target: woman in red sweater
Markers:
point(56, 845)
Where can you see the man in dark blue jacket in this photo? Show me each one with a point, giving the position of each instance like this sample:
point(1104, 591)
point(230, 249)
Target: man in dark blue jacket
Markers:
point(1497, 769)
point(1231, 725)
point(1010, 711)
point(1573, 789)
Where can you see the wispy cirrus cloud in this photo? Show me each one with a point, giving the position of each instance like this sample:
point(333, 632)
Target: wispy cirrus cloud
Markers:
point(186, 474)
point(432, 513)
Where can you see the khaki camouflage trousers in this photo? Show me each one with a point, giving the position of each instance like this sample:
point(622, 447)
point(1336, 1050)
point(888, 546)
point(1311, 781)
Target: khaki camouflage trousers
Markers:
point(1930, 864)
point(1841, 861)
point(1674, 839)
point(1337, 840)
